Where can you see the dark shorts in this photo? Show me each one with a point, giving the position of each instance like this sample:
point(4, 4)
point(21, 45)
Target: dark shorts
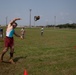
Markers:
point(9, 42)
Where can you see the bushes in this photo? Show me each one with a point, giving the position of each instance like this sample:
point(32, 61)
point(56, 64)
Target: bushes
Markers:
point(67, 25)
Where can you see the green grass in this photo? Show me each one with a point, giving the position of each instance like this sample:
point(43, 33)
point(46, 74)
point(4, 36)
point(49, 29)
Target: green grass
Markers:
point(54, 53)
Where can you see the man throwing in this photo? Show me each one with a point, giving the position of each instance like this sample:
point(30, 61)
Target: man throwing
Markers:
point(9, 40)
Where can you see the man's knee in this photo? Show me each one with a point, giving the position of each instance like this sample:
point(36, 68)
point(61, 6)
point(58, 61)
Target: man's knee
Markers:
point(12, 49)
point(5, 49)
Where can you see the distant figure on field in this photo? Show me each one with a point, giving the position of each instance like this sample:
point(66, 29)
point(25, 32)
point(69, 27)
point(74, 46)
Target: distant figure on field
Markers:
point(42, 31)
point(9, 40)
point(1, 32)
point(22, 33)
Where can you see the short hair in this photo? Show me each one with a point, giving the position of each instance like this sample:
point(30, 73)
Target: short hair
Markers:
point(15, 23)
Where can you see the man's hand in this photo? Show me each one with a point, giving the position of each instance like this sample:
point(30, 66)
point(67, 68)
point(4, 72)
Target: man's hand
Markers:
point(17, 19)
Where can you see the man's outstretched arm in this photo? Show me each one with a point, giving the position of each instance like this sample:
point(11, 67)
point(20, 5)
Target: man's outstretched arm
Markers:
point(15, 20)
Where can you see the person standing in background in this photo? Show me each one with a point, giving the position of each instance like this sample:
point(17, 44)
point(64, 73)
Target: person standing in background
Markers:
point(22, 33)
point(42, 31)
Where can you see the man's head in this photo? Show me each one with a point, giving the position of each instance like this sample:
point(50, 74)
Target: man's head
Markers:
point(14, 24)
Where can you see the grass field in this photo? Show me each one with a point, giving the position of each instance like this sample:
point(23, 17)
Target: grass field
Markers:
point(54, 53)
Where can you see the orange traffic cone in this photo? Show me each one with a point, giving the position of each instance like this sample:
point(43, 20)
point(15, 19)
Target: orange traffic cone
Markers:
point(25, 72)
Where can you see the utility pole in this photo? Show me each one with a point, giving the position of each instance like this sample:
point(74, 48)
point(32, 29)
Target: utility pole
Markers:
point(54, 21)
point(6, 20)
point(30, 18)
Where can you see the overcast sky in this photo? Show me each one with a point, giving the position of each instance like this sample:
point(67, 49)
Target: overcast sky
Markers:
point(50, 11)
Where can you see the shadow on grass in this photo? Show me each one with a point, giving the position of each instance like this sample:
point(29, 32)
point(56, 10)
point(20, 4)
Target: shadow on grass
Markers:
point(18, 58)
point(15, 60)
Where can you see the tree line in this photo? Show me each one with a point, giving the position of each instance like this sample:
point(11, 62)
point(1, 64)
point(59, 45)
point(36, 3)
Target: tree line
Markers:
point(67, 25)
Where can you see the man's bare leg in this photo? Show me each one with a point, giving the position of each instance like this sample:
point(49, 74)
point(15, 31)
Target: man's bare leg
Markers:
point(11, 55)
point(3, 53)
